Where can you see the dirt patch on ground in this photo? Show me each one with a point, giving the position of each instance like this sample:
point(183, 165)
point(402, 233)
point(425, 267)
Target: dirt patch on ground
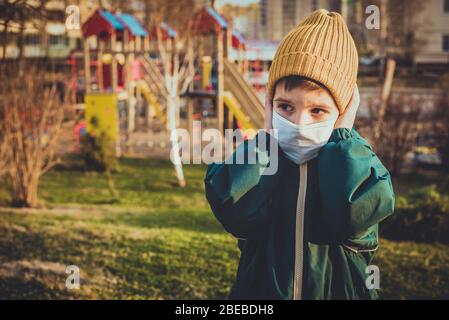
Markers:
point(22, 268)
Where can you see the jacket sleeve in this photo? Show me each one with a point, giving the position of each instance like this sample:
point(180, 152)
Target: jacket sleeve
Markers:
point(239, 194)
point(355, 188)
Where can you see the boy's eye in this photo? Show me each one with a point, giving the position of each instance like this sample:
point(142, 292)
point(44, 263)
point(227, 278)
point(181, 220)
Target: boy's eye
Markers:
point(285, 107)
point(318, 111)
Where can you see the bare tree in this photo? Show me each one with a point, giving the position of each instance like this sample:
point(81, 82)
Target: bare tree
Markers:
point(31, 121)
point(176, 55)
point(402, 122)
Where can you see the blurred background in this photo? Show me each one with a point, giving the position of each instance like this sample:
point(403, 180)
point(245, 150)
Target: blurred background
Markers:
point(91, 91)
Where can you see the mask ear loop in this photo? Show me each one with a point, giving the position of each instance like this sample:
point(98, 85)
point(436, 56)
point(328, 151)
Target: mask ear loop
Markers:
point(283, 120)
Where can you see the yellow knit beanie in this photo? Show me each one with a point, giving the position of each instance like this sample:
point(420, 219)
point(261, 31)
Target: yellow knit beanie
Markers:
point(322, 49)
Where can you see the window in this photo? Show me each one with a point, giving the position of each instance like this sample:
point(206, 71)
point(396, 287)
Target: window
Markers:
point(446, 6)
point(263, 8)
point(79, 44)
point(32, 39)
point(57, 40)
point(288, 15)
point(446, 43)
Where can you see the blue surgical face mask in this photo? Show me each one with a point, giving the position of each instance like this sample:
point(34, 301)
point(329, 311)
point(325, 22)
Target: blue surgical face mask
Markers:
point(302, 143)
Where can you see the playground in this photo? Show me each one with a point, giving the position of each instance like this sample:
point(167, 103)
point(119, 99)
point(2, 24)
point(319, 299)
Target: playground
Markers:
point(124, 88)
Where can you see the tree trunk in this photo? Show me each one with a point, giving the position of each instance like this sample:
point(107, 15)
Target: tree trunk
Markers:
point(173, 101)
point(5, 40)
point(24, 191)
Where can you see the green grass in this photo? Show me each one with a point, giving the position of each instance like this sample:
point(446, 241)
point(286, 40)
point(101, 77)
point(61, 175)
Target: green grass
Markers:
point(159, 242)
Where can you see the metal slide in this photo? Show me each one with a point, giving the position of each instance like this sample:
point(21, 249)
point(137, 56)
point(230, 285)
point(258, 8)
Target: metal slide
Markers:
point(244, 97)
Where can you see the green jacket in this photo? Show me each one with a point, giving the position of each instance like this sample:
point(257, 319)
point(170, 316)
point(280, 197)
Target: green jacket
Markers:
point(309, 231)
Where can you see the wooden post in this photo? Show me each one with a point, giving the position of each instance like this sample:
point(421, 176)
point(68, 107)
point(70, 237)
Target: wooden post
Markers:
point(190, 107)
point(114, 62)
point(201, 56)
point(146, 44)
point(118, 150)
point(100, 64)
point(389, 73)
point(138, 41)
point(114, 77)
point(129, 57)
point(240, 58)
point(228, 43)
point(87, 64)
point(220, 76)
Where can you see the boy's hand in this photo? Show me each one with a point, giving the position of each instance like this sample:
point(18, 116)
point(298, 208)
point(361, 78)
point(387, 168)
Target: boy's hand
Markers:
point(347, 118)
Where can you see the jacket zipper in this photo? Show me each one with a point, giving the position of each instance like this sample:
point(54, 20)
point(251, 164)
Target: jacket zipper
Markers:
point(299, 232)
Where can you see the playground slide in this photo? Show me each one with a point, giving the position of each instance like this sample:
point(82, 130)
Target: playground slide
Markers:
point(151, 100)
point(248, 102)
point(152, 74)
point(233, 105)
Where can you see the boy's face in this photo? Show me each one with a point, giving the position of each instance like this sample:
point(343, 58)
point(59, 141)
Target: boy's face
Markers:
point(304, 106)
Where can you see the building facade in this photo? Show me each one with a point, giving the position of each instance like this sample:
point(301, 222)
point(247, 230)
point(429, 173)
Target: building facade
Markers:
point(410, 30)
point(46, 37)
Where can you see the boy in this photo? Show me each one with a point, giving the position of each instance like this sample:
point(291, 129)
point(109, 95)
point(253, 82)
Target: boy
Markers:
point(310, 230)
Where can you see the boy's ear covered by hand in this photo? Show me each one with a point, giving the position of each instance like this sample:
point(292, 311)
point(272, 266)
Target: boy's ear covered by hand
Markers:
point(347, 118)
point(355, 188)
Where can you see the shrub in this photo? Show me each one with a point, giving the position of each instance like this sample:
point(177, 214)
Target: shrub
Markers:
point(421, 216)
point(98, 151)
